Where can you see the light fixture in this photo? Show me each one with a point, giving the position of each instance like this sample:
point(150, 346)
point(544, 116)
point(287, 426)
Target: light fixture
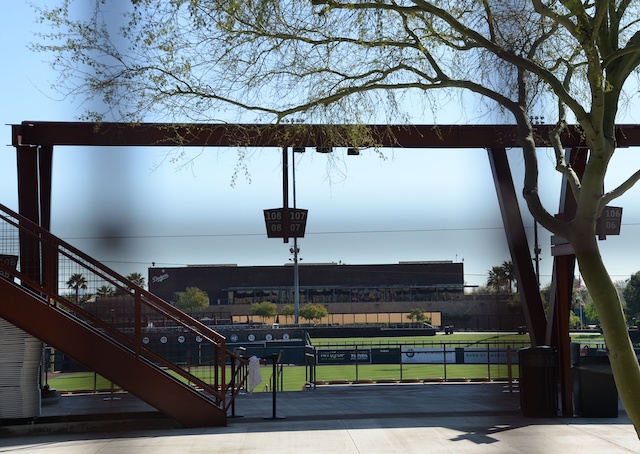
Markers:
point(299, 149)
point(353, 151)
point(324, 149)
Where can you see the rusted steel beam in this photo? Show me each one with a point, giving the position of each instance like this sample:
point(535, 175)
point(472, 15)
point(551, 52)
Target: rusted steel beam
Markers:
point(518, 246)
point(232, 135)
point(45, 169)
point(563, 272)
point(154, 134)
point(28, 182)
point(34, 201)
point(29, 207)
point(49, 271)
point(562, 287)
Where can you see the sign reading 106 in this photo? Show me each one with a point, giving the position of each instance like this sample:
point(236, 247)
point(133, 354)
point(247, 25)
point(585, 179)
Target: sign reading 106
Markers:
point(609, 222)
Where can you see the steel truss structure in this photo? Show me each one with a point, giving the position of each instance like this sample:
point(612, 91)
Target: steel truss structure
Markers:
point(35, 141)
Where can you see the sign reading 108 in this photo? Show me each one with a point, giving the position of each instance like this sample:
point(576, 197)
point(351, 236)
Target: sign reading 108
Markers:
point(285, 222)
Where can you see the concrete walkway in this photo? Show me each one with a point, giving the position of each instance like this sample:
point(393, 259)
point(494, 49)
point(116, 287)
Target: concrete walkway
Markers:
point(400, 418)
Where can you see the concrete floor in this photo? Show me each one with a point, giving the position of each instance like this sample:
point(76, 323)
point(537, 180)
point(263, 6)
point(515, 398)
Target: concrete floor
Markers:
point(400, 418)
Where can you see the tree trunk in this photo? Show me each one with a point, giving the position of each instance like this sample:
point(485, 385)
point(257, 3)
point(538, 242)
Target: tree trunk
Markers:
point(624, 362)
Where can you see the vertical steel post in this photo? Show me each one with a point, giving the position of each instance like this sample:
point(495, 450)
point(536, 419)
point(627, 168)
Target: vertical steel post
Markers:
point(296, 271)
point(274, 383)
point(138, 321)
point(562, 285)
point(489, 360)
point(518, 246)
point(285, 193)
point(29, 207)
point(444, 360)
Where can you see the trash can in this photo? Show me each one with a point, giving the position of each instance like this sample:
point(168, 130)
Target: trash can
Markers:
point(595, 392)
point(538, 382)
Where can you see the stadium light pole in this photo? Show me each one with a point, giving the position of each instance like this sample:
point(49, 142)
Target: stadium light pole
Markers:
point(296, 250)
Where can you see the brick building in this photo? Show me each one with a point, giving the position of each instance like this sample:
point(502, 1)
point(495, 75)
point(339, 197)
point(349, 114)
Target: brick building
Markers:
point(319, 283)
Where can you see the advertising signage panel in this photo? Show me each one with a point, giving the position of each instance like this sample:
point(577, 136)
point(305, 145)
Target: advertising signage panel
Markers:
point(385, 356)
point(481, 356)
point(428, 356)
point(349, 356)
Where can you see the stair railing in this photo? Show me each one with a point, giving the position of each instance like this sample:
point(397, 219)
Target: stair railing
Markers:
point(66, 279)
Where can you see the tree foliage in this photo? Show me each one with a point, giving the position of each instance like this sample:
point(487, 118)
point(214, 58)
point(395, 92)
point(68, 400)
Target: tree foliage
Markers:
point(416, 314)
point(137, 278)
point(632, 296)
point(574, 320)
point(313, 312)
point(352, 61)
point(104, 290)
point(591, 313)
point(500, 278)
point(193, 299)
point(288, 311)
point(77, 282)
point(495, 280)
point(264, 309)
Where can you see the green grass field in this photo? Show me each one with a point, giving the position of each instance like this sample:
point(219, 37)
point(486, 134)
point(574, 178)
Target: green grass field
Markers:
point(293, 378)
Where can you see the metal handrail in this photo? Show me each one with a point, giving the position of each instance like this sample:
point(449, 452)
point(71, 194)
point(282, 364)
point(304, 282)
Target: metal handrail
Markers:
point(22, 238)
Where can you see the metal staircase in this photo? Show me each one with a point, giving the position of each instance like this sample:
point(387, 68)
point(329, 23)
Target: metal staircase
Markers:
point(82, 308)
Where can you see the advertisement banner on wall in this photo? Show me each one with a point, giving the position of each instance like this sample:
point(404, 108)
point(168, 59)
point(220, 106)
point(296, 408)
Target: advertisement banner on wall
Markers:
point(428, 356)
point(349, 356)
point(385, 356)
point(482, 356)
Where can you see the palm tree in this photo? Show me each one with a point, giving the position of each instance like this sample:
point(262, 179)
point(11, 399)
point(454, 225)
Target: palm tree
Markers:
point(501, 278)
point(134, 278)
point(77, 281)
point(137, 279)
point(508, 273)
point(496, 280)
point(104, 290)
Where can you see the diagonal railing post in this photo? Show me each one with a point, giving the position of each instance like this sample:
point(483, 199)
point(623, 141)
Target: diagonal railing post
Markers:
point(137, 320)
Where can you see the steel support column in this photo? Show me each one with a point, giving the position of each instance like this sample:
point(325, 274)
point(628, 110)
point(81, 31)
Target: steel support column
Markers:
point(559, 308)
point(34, 201)
point(518, 246)
point(28, 182)
point(29, 207)
point(562, 288)
point(45, 168)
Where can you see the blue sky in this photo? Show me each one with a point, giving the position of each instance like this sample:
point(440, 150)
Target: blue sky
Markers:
point(415, 205)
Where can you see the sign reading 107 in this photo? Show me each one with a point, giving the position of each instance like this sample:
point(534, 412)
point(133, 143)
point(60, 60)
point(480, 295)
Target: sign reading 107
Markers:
point(285, 222)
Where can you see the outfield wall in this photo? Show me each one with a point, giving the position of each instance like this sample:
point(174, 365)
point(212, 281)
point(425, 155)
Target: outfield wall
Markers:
point(417, 355)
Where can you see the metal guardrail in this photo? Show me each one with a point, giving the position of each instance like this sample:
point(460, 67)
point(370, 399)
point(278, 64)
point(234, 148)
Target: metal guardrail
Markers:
point(65, 279)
